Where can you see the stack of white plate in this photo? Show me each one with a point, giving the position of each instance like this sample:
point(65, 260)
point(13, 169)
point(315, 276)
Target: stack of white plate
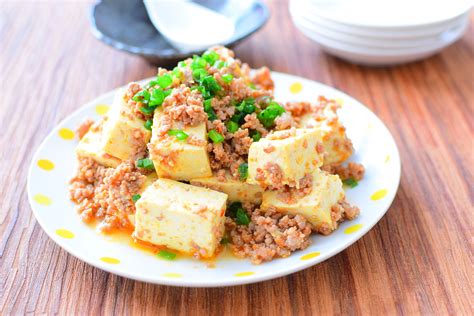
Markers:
point(382, 32)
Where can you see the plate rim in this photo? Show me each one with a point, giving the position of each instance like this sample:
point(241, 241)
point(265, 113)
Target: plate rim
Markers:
point(161, 280)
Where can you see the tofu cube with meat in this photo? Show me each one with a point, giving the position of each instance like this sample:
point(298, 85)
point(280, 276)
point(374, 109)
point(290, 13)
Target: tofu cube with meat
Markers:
point(337, 146)
point(182, 217)
point(234, 188)
point(91, 146)
point(316, 207)
point(149, 180)
point(284, 157)
point(124, 134)
point(179, 159)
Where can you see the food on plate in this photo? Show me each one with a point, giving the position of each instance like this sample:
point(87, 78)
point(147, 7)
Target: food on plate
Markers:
point(204, 157)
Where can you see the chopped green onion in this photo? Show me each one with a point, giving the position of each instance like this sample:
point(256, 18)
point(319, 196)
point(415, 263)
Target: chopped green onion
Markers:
point(219, 64)
point(351, 182)
point(180, 134)
point(151, 84)
point(167, 92)
point(243, 171)
point(199, 74)
point(225, 240)
point(247, 106)
point(147, 110)
point(136, 197)
point(210, 84)
point(256, 135)
point(252, 86)
point(148, 124)
point(241, 217)
point(215, 136)
point(232, 209)
point(157, 97)
point(176, 72)
point(211, 56)
point(145, 163)
point(273, 110)
point(227, 78)
point(238, 118)
point(198, 62)
point(211, 114)
point(163, 254)
point(232, 126)
point(182, 64)
point(165, 81)
point(142, 96)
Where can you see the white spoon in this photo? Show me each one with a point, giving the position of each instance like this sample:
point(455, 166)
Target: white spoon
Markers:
point(188, 26)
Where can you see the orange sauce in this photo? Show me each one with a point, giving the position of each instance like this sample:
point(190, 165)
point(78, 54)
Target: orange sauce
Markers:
point(124, 236)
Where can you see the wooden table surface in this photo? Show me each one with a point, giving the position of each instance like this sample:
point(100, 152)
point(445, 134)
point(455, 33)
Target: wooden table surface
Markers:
point(417, 259)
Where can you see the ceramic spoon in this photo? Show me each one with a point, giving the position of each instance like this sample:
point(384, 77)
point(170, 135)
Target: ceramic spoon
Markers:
point(188, 26)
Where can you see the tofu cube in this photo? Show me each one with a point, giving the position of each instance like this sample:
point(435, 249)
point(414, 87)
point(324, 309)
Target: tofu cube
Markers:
point(235, 189)
point(91, 146)
point(124, 134)
point(316, 206)
point(284, 157)
point(182, 217)
point(150, 178)
point(337, 146)
point(179, 159)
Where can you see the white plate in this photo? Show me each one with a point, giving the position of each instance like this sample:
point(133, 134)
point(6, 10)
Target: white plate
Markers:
point(54, 163)
point(303, 9)
point(389, 14)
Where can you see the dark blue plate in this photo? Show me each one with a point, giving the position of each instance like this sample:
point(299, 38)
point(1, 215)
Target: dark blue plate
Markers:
point(124, 24)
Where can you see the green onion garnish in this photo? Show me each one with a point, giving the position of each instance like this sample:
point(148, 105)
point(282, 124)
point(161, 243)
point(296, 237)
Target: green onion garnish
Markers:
point(167, 92)
point(256, 135)
point(210, 84)
point(145, 163)
point(252, 86)
point(351, 182)
point(232, 209)
point(232, 126)
point(147, 110)
point(241, 217)
point(273, 110)
point(225, 240)
point(142, 96)
point(136, 197)
point(238, 118)
point(163, 254)
point(180, 134)
point(148, 124)
point(211, 56)
point(151, 84)
point(165, 81)
point(181, 64)
point(247, 106)
point(156, 98)
point(215, 136)
point(211, 114)
point(219, 64)
point(199, 74)
point(227, 78)
point(243, 171)
point(198, 62)
point(176, 72)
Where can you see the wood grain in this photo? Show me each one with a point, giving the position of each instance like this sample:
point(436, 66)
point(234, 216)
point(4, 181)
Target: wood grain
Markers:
point(418, 259)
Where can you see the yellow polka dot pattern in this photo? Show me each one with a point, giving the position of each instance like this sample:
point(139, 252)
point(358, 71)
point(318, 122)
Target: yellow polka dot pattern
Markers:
point(64, 233)
point(244, 274)
point(310, 255)
point(172, 275)
point(110, 260)
point(296, 87)
point(380, 194)
point(46, 164)
point(66, 134)
point(102, 109)
point(352, 229)
point(42, 199)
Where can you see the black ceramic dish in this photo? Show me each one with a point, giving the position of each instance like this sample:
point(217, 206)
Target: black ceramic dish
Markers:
point(124, 24)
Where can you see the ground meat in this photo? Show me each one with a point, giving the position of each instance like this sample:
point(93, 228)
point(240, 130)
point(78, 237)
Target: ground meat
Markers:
point(284, 121)
point(298, 108)
point(106, 193)
point(84, 128)
point(253, 123)
point(241, 141)
point(263, 79)
point(282, 135)
point(185, 106)
point(274, 175)
point(291, 195)
point(352, 170)
point(269, 235)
